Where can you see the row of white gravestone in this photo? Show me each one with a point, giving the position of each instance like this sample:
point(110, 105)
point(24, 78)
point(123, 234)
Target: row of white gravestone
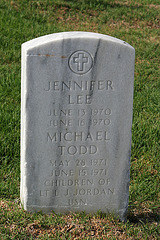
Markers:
point(76, 118)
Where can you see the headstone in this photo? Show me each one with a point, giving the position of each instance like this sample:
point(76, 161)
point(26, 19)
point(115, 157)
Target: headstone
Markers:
point(76, 117)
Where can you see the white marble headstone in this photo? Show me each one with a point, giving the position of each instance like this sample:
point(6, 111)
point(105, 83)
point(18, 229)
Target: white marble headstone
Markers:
point(76, 117)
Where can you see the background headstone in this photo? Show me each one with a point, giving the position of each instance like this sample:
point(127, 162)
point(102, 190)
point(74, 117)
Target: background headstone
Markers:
point(76, 117)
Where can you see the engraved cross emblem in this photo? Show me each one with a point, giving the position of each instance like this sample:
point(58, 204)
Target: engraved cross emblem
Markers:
point(80, 61)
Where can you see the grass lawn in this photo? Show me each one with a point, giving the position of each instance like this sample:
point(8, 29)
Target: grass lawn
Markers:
point(136, 22)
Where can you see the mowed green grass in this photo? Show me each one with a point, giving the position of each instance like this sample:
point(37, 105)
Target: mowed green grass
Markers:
point(136, 22)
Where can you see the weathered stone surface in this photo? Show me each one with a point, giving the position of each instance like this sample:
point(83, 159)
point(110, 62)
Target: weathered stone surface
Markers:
point(76, 117)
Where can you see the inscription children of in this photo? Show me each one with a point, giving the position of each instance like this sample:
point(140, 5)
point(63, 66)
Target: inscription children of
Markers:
point(76, 117)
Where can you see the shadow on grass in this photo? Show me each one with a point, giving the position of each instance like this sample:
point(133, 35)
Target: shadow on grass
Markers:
point(105, 4)
point(140, 218)
point(137, 218)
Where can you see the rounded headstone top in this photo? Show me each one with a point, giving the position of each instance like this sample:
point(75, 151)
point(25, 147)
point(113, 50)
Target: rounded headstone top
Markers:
point(70, 35)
